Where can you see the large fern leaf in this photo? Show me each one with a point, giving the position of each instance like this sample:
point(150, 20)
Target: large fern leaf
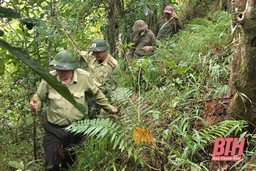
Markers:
point(101, 128)
point(222, 129)
point(132, 107)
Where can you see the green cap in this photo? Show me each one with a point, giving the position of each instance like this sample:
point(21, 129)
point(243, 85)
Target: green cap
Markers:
point(139, 25)
point(98, 45)
point(64, 61)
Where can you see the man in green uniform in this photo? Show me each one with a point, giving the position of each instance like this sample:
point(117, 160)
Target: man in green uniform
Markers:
point(168, 25)
point(61, 113)
point(102, 66)
point(143, 40)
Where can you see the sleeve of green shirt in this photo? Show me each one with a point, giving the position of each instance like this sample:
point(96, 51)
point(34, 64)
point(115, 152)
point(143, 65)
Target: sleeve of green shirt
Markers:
point(41, 93)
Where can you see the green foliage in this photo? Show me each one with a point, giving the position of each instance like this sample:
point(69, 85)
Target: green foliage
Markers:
point(9, 13)
point(188, 147)
point(194, 61)
point(20, 166)
point(98, 128)
point(102, 156)
point(114, 135)
point(1, 32)
point(2, 67)
point(51, 80)
point(181, 69)
point(102, 135)
point(16, 118)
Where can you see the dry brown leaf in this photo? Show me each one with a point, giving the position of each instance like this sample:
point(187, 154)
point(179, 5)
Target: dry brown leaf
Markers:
point(142, 135)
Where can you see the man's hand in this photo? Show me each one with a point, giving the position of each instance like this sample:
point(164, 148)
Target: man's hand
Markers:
point(147, 48)
point(33, 105)
point(174, 15)
point(114, 110)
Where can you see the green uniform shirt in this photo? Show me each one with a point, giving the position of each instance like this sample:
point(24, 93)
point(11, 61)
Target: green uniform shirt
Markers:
point(60, 111)
point(166, 29)
point(147, 38)
point(101, 71)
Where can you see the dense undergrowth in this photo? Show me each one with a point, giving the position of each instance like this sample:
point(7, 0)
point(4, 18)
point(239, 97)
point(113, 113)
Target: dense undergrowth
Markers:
point(168, 94)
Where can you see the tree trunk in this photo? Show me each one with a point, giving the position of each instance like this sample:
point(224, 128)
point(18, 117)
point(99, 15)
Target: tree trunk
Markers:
point(242, 83)
point(112, 26)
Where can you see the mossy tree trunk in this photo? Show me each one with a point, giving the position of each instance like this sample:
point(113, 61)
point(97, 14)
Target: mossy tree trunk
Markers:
point(115, 10)
point(243, 72)
point(112, 23)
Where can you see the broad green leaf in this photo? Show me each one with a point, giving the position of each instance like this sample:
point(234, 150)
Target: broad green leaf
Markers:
point(39, 38)
point(170, 63)
point(1, 32)
point(181, 70)
point(50, 79)
point(16, 165)
point(1, 66)
point(29, 20)
point(8, 13)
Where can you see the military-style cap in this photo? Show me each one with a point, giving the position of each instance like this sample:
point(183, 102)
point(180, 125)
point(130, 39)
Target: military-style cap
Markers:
point(64, 61)
point(139, 25)
point(98, 45)
point(168, 9)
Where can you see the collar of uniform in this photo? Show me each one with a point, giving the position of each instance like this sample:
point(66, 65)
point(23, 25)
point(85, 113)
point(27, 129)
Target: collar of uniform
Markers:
point(74, 78)
point(105, 62)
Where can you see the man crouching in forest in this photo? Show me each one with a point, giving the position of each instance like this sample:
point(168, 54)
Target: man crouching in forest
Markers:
point(61, 113)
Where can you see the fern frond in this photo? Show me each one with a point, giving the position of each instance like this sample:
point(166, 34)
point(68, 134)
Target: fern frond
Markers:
point(101, 129)
point(133, 107)
point(222, 129)
point(92, 127)
point(116, 133)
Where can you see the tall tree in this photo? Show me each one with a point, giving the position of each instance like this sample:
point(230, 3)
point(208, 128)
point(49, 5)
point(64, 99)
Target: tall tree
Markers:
point(112, 25)
point(242, 79)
